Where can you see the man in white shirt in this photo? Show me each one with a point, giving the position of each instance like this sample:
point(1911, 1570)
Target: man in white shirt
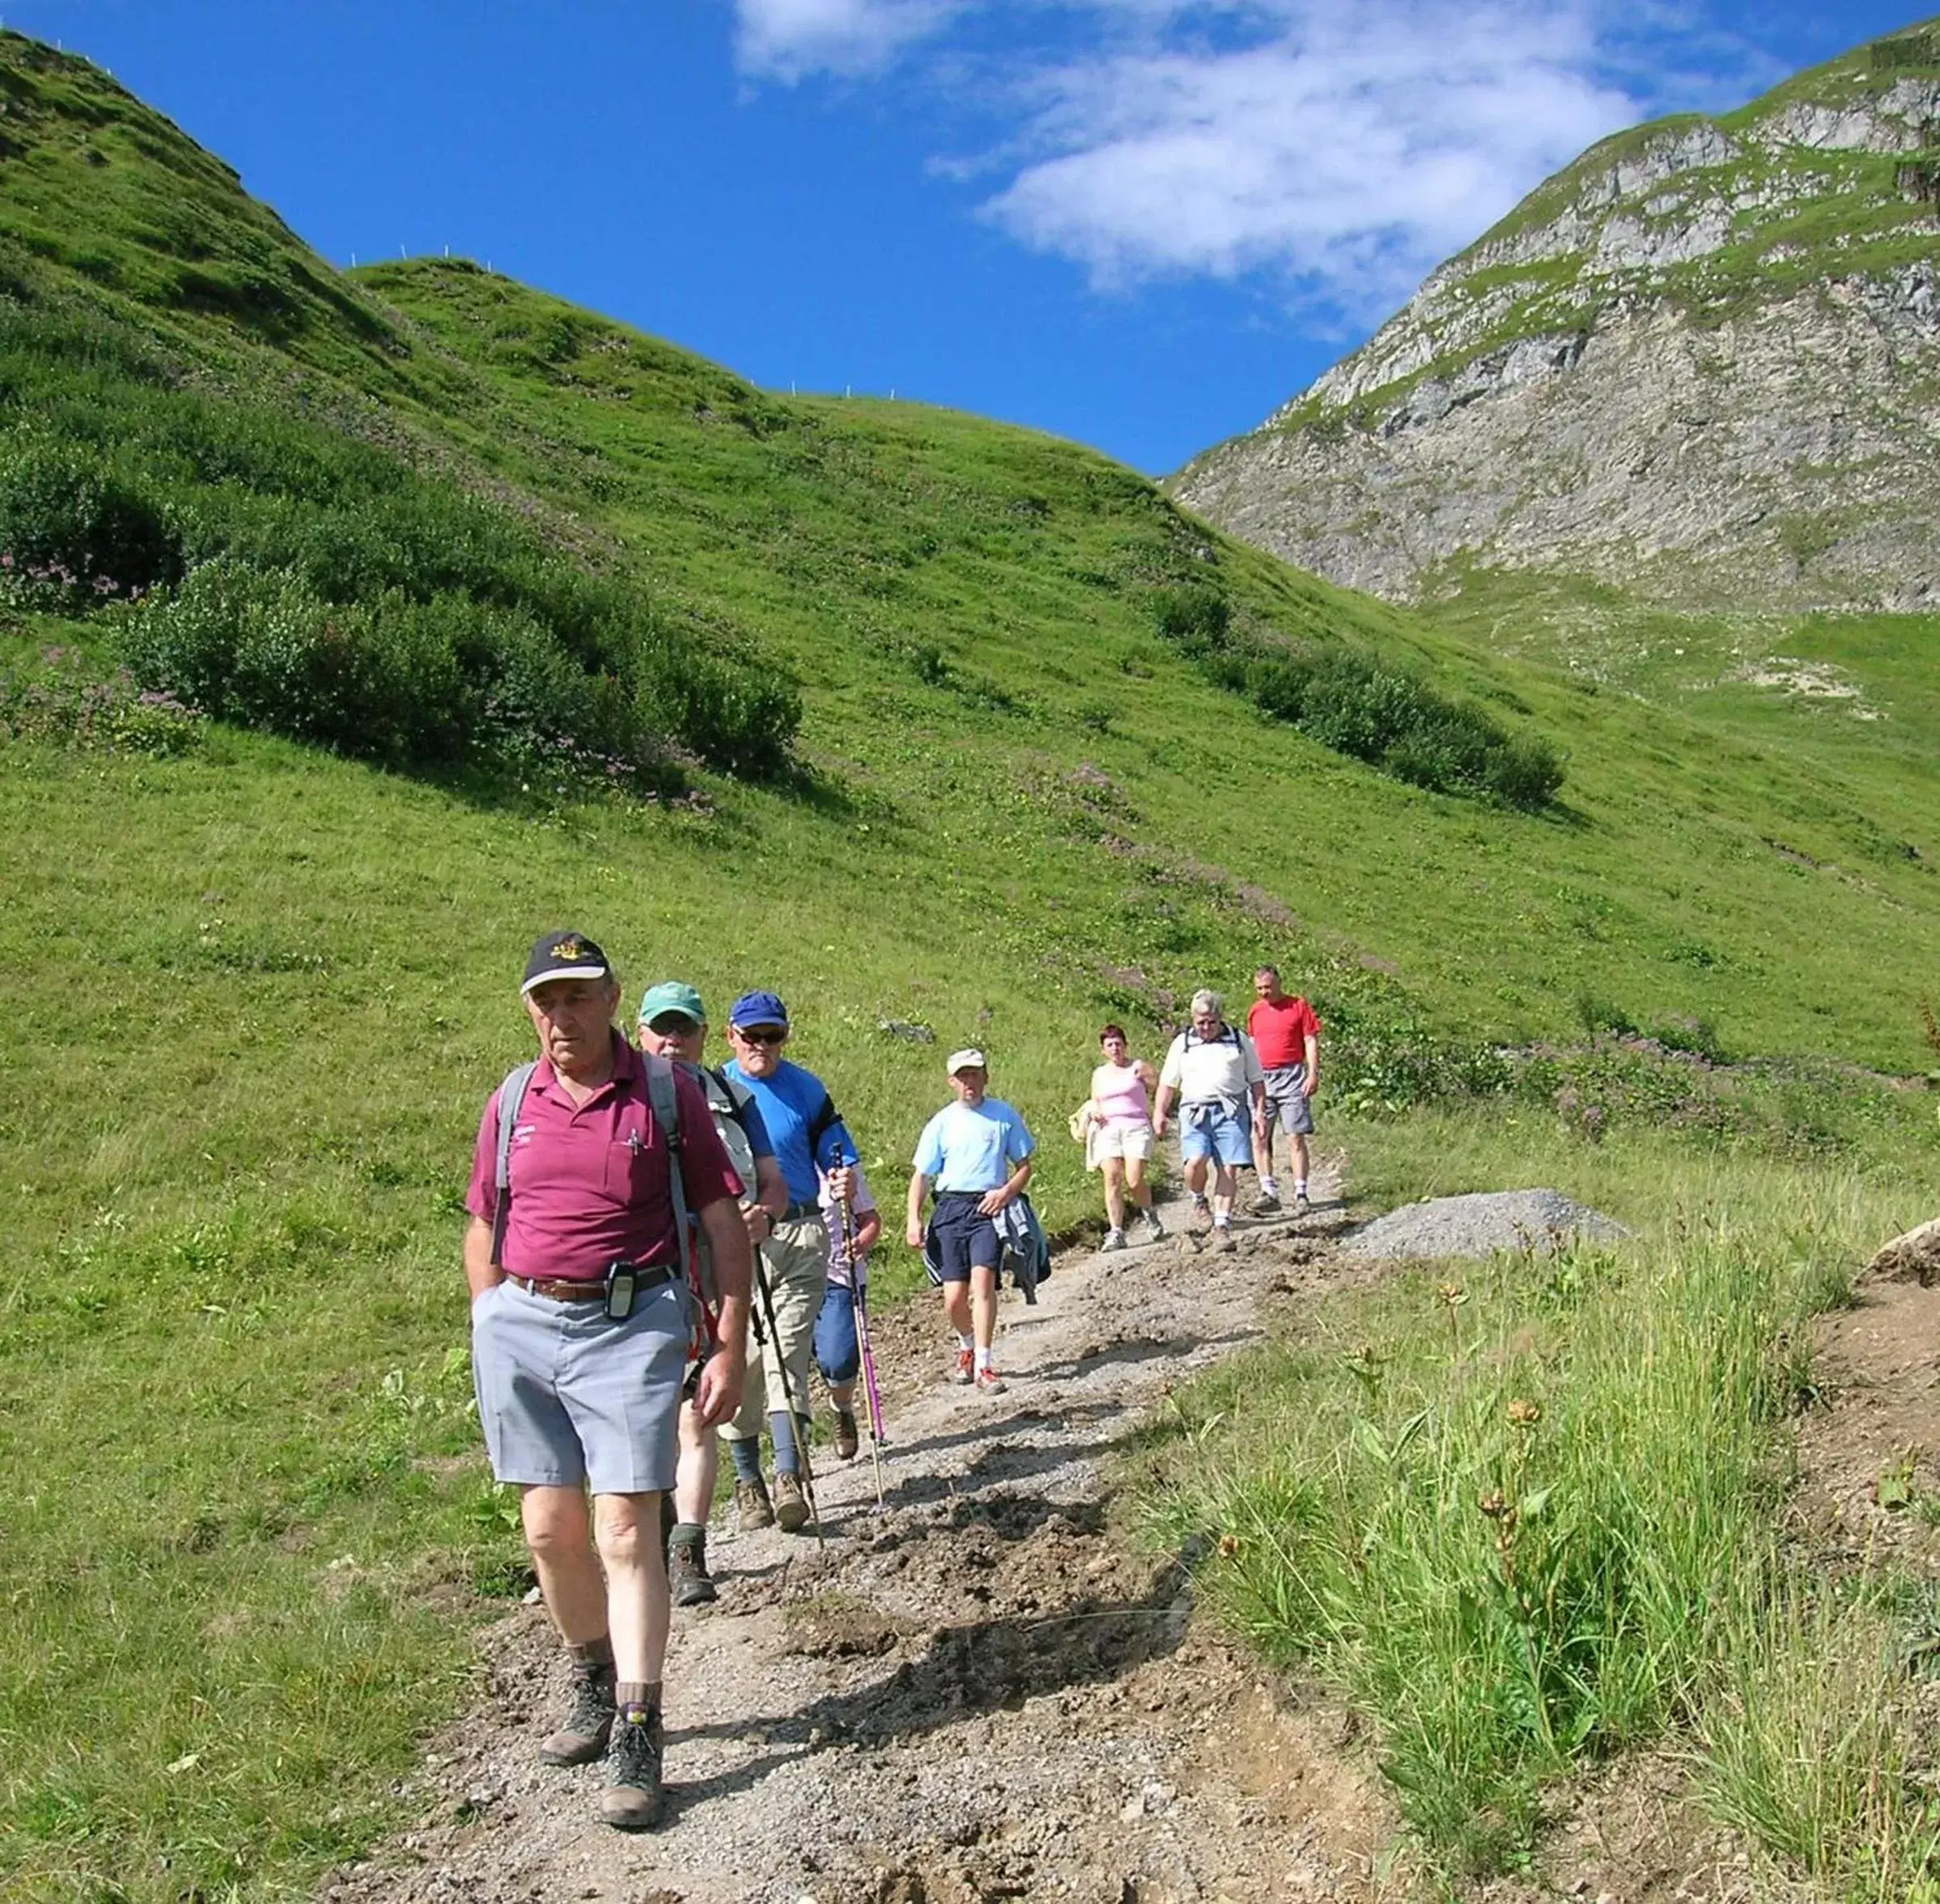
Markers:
point(1211, 1071)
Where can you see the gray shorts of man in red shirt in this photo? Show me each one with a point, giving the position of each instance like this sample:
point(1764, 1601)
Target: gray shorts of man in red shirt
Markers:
point(580, 1335)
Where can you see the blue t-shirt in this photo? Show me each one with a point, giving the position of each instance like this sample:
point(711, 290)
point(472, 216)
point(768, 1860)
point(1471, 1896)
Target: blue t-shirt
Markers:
point(792, 1103)
point(972, 1150)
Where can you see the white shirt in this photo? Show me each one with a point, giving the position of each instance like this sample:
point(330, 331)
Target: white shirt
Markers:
point(1222, 1070)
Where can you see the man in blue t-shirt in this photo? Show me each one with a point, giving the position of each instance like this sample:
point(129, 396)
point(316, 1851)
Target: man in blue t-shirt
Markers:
point(810, 1142)
point(976, 1153)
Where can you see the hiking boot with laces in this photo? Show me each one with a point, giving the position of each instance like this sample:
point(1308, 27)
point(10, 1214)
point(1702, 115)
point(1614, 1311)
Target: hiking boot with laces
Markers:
point(632, 1800)
point(1265, 1205)
point(1113, 1239)
point(790, 1504)
point(751, 1499)
point(1202, 1214)
point(846, 1440)
point(966, 1367)
point(1300, 1204)
point(1154, 1229)
point(584, 1736)
point(989, 1381)
point(688, 1580)
point(1223, 1244)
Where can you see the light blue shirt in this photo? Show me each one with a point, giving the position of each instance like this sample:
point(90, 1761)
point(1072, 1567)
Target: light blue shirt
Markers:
point(973, 1150)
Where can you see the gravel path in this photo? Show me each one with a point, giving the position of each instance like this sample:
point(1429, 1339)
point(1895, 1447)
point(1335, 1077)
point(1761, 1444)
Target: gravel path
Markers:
point(975, 1692)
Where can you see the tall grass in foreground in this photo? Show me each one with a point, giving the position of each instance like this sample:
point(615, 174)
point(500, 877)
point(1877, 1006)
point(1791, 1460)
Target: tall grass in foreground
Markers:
point(1511, 1513)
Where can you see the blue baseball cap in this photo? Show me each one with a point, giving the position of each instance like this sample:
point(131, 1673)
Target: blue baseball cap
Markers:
point(757, 1008)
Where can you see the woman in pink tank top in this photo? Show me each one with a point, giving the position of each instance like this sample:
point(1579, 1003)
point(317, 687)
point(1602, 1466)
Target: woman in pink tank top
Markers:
point(1121, 1134)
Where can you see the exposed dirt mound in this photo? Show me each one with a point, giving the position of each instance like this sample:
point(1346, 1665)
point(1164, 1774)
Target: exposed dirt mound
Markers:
point(1480, 1224)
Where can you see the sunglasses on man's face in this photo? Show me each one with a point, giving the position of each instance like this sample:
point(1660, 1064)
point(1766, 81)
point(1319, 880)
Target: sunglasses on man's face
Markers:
point(760, 1034)
point(673, 1026)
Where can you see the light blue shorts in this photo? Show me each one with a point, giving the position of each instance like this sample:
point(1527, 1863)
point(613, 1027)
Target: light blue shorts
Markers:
point(1215, 1131)
point(568, 1397)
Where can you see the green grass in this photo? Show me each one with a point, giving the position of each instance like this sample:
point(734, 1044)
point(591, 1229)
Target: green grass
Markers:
point(1523, 1512)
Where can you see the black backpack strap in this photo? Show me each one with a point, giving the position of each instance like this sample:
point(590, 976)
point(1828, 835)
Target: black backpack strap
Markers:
point(824, 1121)
point(665, 1102)
point(511, 1094)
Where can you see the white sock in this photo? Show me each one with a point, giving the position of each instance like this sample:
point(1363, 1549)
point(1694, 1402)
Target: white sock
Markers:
point(1300, 1189)
point(1269, 1186)
point(982, 1359)
point(1223, 1220)
point(964, 1341)
point(1200, 1200)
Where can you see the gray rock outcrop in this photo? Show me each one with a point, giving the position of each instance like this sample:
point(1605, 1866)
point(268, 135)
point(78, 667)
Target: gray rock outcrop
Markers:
point(1703, 361)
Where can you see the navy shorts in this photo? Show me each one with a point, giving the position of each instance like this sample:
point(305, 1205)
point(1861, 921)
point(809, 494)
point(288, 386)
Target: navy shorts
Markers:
point(838, 1353)
point(965, 1237)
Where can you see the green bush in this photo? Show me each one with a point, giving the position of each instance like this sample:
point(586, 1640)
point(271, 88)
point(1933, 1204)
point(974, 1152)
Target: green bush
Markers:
point(71, 528)
point(1356, 706)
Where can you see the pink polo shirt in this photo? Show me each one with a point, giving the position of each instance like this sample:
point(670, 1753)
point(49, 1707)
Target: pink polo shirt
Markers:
point(589, 1181)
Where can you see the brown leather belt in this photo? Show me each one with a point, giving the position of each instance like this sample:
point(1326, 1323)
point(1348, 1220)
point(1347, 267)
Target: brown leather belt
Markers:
point(587, 1289)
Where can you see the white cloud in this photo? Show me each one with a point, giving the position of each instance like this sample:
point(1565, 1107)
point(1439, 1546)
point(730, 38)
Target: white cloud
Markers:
point(788, 39)
point(1339, 148)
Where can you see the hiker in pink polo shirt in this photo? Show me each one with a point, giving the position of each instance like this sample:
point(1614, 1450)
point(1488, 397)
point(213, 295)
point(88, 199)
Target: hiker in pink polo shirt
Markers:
point(579, 1331)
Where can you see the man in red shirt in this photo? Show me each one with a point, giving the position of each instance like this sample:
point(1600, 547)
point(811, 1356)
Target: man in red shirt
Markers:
point(579, 1330)
point(1286, 1035)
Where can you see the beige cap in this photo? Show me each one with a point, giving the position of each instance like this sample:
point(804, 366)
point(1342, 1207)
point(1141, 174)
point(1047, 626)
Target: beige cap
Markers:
point(963, 1060)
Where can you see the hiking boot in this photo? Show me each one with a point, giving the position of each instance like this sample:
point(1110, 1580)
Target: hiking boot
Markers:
point(989, 1381)
point(757, 1511)
point(1265, 1205)
point(584, 1736)
point(1154, 1229)
point(1223, 1244)
point(790, 1503)
point(631, 1801)
point(846, 1441)
point(1300, 1204)
point(1202, 1214)
point(688, 1580)
point(1113, 1239)
point(966, 1368)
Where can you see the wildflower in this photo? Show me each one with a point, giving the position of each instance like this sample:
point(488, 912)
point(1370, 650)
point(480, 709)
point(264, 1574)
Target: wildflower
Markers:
point(1453, 1294)
point(1494, 1506)
point(1228, 1546)
point(1523, 1414)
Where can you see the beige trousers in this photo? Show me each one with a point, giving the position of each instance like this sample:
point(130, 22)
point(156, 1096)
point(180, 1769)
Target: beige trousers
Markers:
point(796, 1262)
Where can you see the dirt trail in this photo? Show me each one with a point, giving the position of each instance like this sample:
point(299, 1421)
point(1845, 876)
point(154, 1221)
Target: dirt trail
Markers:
point(975, 1693)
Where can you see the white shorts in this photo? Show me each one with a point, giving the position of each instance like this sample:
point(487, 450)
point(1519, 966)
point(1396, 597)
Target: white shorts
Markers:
point(1122, 1140)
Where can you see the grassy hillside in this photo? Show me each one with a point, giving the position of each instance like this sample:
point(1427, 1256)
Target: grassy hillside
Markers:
point(258, 991)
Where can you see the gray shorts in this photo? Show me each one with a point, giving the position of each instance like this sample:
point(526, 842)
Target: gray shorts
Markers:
point(568, 1397)
point(1287, 1103)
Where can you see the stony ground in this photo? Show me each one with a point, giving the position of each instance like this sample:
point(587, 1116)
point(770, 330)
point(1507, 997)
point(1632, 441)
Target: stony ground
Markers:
point(975, 1691)
point(983, 1690)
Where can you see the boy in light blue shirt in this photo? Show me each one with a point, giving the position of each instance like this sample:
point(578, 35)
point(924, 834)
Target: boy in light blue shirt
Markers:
point(977, 1154)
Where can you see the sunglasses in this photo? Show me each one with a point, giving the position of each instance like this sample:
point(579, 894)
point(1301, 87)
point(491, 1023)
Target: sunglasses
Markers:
point(673, 1025)
point(764, 1034)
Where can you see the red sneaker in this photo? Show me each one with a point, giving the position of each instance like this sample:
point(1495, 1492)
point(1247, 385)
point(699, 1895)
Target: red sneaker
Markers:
point(966, 1367)
point(989, 1381)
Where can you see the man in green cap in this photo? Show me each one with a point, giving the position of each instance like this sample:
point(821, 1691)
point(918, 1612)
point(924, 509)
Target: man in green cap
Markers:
point(673, 1023)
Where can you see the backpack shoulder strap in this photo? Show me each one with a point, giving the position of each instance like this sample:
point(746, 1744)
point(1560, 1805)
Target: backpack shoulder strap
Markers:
point(665, 1102)
point(511, 1094)
point(826, 1118)
point(737, 1094)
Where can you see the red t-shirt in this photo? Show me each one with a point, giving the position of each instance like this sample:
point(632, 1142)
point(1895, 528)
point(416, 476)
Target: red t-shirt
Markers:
point(1280, 1032)
point(589, 1182)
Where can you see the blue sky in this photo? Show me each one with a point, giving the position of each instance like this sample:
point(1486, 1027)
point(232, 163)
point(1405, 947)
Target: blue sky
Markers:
point(1143, 224)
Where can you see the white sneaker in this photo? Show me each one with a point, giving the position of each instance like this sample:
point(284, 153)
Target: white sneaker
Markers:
point(1113, 1239)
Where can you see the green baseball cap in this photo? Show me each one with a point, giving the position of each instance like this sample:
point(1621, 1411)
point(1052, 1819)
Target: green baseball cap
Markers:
point(672, 996)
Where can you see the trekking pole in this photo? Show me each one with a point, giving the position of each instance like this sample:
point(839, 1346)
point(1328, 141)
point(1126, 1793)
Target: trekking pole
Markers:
point(797, 1425)
point(858, 1290)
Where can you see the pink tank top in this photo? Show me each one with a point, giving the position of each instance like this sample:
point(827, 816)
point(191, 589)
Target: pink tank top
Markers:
point(1119, 1094)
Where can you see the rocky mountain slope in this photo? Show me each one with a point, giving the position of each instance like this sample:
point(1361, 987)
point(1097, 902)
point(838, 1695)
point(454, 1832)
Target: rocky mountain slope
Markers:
point(1703, 360)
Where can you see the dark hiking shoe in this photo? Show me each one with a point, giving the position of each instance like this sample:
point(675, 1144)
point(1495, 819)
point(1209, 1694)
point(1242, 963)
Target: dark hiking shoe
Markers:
point(751, 1498)
point(1154, 1228)
point(846, 1441)
point(632, 1800)
point(584, 1736)
point(1265, 1206)
point(688, 1580)
point(790, 1504)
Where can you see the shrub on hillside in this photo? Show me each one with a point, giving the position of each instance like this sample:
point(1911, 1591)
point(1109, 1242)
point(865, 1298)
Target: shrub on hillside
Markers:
point(1358, 707)
point(72, 531)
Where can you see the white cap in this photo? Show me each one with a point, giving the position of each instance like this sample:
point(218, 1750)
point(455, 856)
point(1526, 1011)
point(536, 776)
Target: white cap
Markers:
point(961, 1061)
